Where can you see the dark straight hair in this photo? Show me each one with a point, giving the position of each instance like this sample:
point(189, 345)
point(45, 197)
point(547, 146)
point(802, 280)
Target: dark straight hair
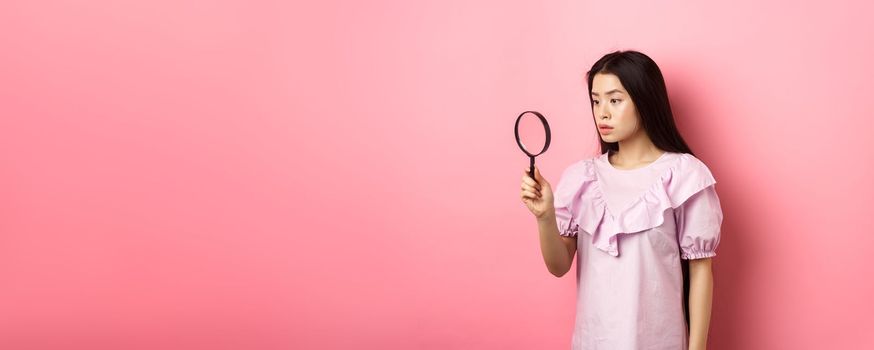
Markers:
point(643, 80)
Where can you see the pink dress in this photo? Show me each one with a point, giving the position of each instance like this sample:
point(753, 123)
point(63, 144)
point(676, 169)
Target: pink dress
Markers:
point(633, 227)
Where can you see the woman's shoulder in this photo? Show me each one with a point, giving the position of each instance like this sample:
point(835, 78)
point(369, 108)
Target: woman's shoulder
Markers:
point(581, 168)
point(691, 166)
point(575, 175)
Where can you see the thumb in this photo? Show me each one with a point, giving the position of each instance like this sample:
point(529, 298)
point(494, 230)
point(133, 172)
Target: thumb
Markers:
point(537, 175)
point(540, 179)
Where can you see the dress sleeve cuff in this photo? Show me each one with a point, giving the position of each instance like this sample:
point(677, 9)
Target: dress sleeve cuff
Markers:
point(697, 255)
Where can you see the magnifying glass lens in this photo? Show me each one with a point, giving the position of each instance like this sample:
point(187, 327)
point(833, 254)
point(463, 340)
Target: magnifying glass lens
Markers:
point(532, 133)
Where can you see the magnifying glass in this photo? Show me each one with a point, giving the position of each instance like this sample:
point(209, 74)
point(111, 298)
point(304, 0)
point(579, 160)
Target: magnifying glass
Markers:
point(532, 135)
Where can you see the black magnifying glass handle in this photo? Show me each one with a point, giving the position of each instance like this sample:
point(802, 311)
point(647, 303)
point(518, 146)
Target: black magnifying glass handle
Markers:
point(531, 169)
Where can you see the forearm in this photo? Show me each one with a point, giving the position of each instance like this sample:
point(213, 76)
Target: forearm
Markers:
point(700, 301)
point(555, 254)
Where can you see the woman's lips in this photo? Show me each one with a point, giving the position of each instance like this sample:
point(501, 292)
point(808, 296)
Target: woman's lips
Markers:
point(605, 129)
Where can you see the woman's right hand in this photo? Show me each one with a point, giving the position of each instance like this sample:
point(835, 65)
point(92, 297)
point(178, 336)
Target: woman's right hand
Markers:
point(537, 195)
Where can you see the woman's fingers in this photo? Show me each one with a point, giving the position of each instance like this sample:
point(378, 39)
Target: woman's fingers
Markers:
point(530, 194)
point(530, 188)
point(528, 180)
point(526, 187)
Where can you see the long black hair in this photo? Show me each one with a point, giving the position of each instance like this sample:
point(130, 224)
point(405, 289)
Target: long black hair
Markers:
point(643, 80)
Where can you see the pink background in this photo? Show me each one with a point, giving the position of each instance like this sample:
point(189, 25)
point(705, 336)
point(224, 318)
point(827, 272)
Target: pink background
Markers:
point(242, 175)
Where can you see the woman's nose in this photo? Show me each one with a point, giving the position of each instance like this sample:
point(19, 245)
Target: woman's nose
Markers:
point(602, 112)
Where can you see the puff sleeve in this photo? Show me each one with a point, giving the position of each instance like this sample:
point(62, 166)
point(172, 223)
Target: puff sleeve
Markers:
point(699, 222)
point(563, 197)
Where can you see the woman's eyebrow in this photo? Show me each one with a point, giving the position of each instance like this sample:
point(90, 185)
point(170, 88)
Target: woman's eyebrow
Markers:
point(608, 92)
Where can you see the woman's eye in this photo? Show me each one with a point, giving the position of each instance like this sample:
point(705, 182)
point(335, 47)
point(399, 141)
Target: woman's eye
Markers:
point(595, 102)
point(613, 100)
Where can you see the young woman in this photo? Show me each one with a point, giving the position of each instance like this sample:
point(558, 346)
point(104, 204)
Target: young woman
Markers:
point(643, 218)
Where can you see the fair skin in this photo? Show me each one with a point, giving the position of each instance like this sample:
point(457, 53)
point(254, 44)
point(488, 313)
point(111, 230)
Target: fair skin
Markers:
point(613, 106)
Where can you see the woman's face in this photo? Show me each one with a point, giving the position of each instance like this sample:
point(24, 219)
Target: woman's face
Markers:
point(612, 107)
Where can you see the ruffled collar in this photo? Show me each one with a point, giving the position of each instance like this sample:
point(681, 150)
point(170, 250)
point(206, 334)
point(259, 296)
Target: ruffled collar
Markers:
point(685, 177)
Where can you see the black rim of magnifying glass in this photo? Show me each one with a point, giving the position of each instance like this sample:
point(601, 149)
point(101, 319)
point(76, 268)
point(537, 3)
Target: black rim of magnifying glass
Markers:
point(519, 141)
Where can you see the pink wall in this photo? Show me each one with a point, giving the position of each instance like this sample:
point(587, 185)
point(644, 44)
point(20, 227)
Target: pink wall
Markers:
point(233, 175)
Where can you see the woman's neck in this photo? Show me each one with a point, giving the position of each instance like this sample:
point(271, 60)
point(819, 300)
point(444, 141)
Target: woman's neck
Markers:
point(637, 149)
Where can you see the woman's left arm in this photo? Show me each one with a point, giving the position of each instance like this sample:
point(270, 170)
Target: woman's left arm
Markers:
point(700, 297)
